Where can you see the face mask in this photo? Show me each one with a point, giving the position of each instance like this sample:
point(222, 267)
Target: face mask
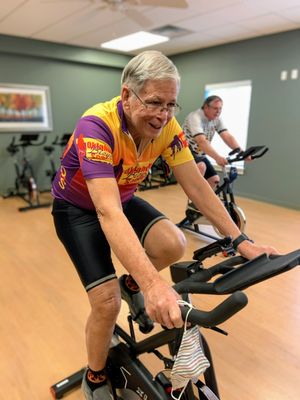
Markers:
point(190, 361)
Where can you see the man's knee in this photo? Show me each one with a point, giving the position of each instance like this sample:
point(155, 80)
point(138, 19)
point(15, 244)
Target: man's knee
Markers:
point(169, 248)
point(105, 300)
point(176, 245)
point(202, 167)
point(214, 181)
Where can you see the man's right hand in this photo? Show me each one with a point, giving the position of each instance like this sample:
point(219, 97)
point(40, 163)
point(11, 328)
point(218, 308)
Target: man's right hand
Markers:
point(222, 161)
point(161, 304)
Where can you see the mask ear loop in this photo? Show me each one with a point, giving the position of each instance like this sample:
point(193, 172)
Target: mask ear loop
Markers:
point(183, 303)
point(190, 306)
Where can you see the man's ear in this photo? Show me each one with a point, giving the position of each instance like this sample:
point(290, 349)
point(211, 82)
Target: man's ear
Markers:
point(125, 94)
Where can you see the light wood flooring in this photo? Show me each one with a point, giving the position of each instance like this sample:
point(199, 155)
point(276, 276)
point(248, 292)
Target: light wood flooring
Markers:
point(43, 308)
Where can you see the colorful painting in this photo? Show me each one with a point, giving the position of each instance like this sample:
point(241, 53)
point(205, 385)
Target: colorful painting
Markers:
point(24, 108)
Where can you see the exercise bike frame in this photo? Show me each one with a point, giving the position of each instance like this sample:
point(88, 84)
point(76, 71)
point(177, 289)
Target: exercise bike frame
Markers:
point(158, 176)
point(25, 183)
point(225, 192)
point(49, 150)
point(130, 378)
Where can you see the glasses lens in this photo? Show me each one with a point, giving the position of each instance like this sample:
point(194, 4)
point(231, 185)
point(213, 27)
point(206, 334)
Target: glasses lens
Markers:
point(176, 109)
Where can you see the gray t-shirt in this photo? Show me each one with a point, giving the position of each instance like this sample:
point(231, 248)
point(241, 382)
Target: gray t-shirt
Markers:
point(196, 123)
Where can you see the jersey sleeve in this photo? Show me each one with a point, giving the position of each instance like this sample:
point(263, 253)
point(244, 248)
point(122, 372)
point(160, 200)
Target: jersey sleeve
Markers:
point(177, 149)
point(94, 144)
point(195, 124)
point(220, 127)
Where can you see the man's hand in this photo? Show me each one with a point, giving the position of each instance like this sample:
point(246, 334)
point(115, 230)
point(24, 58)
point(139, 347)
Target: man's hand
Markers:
point(222, 161)
point(250, 250)
point(161, 304)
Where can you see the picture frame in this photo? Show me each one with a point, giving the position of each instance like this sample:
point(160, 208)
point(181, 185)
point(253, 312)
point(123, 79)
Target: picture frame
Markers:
point(25, 108)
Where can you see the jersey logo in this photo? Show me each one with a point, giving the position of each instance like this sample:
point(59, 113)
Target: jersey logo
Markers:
point(95, 149)
point(133, 175)
point(178, 143)
point(62, 177)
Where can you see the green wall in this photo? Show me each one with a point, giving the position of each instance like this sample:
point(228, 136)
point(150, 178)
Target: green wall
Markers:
point(274, 115)
point(77, 78)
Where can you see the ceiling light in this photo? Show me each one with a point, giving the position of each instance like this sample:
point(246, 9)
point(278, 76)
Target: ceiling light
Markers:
point(134, 41)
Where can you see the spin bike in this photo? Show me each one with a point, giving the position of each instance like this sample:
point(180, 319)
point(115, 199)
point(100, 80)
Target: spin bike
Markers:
point(193, 217)
point(159, 175)
point(49, 150)
point(25, 182)
point(130, 379)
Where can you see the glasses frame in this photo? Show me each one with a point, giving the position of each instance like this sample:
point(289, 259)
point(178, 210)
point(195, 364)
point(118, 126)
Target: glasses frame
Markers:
point(174, 110)
point(219, 109)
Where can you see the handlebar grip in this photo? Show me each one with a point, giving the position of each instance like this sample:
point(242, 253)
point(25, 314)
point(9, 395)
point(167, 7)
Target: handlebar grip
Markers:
point(252, 151)
point(55, 140)
point(43, 141)
point(257, 270)
point(207, 319)
point(234, 151)
point(260, 154)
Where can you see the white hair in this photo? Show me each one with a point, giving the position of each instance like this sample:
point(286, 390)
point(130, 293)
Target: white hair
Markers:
point(148, 65)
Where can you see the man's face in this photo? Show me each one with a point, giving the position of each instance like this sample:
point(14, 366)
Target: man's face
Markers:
point(147, 111)
point(213, 110)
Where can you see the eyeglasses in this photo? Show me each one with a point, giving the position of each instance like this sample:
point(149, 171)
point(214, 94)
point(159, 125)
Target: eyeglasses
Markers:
point(154, 106)
point(215, 108)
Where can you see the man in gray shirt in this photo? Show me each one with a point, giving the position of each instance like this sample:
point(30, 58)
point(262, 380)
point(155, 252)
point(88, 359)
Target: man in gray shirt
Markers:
point(199, 128)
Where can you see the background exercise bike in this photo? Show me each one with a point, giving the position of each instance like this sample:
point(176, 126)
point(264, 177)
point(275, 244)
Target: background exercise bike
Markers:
point(25, 181)
point(193, 217)
point(131, 379)
point(49, 150)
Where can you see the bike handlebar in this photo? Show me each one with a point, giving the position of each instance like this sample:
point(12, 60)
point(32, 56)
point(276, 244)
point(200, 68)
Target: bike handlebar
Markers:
point(25, 141)
point(63, 140)
point(253, 151)
point(237, 274)
point(207, 319)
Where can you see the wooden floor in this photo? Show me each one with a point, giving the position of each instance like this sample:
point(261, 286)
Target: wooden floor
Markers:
point(43, 308)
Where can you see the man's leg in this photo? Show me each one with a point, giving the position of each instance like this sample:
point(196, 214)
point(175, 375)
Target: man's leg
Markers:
point(81, 234)
point(202, 167)
point(213, 181)
point(210, 174)
point(105, 301)
point(164, 243)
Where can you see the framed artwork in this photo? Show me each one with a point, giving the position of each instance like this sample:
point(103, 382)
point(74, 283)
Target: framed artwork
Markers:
point(24, 108)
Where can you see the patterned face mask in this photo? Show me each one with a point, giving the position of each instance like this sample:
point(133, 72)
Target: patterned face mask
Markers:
point(190, 361)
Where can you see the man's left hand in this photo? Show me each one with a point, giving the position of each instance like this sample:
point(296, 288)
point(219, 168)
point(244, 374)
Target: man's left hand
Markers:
point(250, 250)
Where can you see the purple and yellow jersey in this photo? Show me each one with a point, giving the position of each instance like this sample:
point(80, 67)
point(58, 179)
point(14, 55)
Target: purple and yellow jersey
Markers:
point(102, 147)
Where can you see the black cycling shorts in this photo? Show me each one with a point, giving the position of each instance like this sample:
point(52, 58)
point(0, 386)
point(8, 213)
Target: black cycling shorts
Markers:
point(210, 171)
point(80, 232)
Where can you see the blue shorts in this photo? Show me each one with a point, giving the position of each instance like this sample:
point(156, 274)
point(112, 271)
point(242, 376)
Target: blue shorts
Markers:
point(80, 232)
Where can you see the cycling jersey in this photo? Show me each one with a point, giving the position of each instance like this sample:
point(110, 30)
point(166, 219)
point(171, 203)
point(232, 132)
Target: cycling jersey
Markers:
point(101, 146)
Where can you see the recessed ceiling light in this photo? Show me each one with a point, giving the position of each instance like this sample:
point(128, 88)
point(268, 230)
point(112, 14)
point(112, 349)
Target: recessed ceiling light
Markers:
point(134, 41)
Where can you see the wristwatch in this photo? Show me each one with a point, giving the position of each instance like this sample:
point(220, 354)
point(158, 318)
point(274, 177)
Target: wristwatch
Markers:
point(237, 241)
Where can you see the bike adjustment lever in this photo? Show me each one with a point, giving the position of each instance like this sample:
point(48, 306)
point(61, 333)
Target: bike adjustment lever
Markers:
point(216, 247)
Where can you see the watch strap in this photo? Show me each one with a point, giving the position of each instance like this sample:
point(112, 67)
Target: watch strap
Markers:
point(241, 238)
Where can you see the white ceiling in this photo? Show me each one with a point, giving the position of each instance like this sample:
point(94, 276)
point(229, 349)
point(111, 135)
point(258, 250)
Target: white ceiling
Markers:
point(87, 23)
